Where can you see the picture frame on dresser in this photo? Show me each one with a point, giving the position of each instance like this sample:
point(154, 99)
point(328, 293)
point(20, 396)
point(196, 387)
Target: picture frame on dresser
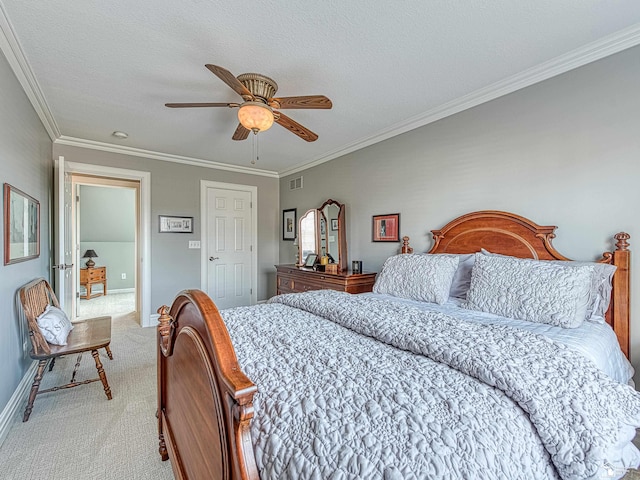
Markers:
point(289, 224)
point(21, 226)
point(385, 228)
point(311, 260)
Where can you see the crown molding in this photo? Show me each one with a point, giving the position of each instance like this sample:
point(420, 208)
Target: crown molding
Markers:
point(604, 47)
point(165, 157)
point(609, 45)
point(15, 56)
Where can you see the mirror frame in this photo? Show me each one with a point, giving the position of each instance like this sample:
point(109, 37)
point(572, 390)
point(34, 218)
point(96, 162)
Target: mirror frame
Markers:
point(301, 258)
point(342, 260)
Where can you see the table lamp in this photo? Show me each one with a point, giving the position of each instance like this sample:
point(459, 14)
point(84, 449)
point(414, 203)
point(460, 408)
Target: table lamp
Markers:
point(90, 254)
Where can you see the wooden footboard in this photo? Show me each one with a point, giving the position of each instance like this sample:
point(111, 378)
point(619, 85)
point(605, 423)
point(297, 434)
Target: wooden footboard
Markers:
point(204, 400)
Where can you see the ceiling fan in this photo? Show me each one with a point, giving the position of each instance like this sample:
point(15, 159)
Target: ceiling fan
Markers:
point(258, 110)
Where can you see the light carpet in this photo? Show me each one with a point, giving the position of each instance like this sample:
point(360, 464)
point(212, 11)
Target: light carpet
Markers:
point(78, 434)
point(111, 304)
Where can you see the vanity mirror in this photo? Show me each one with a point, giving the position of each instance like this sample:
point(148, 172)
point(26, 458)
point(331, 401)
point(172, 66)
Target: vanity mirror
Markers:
point(322, 231)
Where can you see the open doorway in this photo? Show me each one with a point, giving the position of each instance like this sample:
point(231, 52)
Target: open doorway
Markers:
point(106, 232)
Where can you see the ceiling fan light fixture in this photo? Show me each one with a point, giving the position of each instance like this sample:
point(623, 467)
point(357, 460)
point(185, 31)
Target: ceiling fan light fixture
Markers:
point(255, 116)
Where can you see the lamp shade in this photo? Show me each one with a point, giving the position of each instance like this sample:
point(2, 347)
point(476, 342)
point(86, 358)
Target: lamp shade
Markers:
point(255, 116)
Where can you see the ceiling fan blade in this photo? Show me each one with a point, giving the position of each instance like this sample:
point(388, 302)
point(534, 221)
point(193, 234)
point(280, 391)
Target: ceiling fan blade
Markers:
point(241, 133)
point(189, 105)
point(308, 101)
point(293, 126)
point(227, 77)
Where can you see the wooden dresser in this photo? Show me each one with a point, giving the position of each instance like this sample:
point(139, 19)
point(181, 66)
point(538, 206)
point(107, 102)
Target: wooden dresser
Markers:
point(91, 276)
point(291, 279)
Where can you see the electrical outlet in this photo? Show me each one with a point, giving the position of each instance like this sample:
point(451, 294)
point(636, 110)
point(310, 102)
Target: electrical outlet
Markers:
point(124, 276)
point(194, 243)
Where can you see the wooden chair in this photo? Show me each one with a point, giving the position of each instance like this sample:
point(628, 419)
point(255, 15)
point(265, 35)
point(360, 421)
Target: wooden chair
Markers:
point(87, 336)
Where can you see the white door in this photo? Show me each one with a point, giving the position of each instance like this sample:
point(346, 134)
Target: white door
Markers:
point(63, 247)
point(228, 247)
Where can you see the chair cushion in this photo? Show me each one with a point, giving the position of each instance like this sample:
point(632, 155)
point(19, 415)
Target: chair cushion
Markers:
point(54, 325)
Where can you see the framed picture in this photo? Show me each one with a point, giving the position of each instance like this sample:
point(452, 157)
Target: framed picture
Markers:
point(386, 228)
point(175, 224)
point(311, 260)
point(21, 226)
point(334, 224)
point(289, 224)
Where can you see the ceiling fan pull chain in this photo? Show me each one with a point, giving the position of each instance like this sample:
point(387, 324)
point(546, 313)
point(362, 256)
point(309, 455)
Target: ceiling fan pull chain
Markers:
point(254, 157)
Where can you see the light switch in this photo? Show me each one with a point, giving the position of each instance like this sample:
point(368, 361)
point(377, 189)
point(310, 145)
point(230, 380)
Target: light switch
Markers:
point(194, 243)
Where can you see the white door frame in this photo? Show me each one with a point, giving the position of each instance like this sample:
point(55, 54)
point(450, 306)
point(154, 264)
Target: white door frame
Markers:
point(144, 248)
point(204, 218)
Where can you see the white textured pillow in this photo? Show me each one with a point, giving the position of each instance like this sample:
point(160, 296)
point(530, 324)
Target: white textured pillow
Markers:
point(600, 295)
point(426, 278)
point(533, 290)
point(54, 325)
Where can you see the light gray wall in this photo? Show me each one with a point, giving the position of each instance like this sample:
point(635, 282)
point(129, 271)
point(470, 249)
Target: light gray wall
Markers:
point(563, 152)
point(108, 226)
point(175, 190)
point(25, 163)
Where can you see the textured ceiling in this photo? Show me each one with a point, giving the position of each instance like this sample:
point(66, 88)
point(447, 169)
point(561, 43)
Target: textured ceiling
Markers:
point(387, 66)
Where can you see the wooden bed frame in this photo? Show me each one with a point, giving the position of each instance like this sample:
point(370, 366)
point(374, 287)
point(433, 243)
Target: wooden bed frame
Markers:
point(205, 402)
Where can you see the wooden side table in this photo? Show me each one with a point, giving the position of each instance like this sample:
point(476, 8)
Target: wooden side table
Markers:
point(91, 276)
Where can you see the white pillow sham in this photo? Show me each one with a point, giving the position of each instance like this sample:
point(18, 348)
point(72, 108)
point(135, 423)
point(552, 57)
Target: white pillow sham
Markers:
point(533, 290)
point(425, 278)
point(54, 325)
point(600, 294)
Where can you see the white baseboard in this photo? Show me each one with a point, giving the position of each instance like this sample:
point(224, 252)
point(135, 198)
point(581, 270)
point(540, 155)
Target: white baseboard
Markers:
point(152, 322)
point(121, 290)
point(16, 402)
point(111, 290)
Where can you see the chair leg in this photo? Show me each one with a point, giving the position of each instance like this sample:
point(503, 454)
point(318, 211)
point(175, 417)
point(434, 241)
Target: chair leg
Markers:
point(52, 363)
point(34, 389)
point(103, 376)
point(108, 349)
point(76, 367)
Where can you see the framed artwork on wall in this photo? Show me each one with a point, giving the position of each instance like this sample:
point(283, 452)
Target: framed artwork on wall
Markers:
point(289, 224)
point(21, 226)
point(172, 224)
point(386, 228)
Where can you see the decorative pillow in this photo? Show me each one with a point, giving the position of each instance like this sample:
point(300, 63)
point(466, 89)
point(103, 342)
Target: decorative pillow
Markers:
point(426, 278)
point(533, 290)
point(600, 295)
point(54, 325)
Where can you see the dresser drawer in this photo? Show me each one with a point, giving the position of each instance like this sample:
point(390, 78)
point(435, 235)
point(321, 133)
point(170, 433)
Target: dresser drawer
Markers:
point(286, 284)
point(95, 274)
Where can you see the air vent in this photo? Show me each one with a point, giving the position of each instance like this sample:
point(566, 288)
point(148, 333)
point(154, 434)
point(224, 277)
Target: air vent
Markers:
point(295, 183)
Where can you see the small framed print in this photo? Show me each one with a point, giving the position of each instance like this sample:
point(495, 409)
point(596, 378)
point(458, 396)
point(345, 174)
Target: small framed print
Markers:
point(21, 226)
point(169, 224)
point(311, 260)
point(289, 224)
point(386, 228)
point(334, 224)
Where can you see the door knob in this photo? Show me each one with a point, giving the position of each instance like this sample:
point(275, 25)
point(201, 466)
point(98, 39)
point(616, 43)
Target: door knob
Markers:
point(211, 259)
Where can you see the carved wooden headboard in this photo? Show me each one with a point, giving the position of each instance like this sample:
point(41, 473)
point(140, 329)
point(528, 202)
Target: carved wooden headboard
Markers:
point(510, 234)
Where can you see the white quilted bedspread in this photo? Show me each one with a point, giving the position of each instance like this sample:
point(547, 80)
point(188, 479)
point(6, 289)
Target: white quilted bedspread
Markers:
point(383, 390)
